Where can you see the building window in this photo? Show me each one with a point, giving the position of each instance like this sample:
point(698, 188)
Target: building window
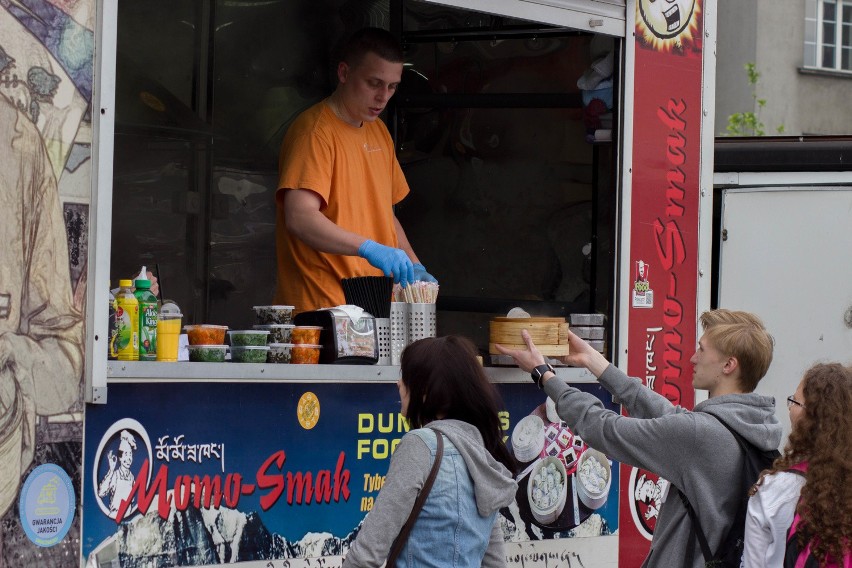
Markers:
point(828, 34)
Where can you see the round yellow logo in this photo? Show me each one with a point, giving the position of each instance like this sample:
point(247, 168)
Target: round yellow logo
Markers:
point(308, 410)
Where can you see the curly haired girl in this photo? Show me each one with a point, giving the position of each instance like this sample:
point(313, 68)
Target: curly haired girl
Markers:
point(819, 445)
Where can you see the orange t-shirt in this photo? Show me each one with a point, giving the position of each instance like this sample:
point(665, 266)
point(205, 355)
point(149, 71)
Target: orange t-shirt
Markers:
point(356, 173)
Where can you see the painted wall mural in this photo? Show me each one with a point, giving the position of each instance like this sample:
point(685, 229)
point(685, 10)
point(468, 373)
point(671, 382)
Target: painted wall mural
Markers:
point(46, 68)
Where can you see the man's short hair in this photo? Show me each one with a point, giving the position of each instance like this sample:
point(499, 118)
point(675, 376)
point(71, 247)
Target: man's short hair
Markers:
point(371, 40)
point(741, 335)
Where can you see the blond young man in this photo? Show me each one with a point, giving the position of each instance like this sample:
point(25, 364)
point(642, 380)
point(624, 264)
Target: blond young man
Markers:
point(693, 450)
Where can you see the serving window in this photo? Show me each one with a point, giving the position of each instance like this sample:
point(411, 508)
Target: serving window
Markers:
point(512, 201)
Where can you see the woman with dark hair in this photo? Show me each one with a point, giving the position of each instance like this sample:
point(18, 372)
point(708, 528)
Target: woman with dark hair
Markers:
point(818, 447)
point(444, 392)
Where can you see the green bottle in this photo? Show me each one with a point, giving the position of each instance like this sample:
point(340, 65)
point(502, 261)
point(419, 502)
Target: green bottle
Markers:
point(148, 312)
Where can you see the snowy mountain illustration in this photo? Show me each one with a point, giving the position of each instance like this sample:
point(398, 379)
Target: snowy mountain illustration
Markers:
point(201, 537)
point(196, 537)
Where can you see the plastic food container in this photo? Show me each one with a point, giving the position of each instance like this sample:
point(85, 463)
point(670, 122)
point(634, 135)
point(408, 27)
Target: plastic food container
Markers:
point(528, 438)
point(207, 353)
point(279, 353)
point(587, 320)
point(547, 489)
point(305, 334)
point(206, 334)
point(305, 354)
point(249, 353)
point(274, 314)
point(594, 476)
point(244, 337)
point(278, 332)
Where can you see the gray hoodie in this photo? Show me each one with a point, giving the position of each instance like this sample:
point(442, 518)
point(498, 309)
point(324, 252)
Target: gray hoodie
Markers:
point(690, 449)
point(493, 484)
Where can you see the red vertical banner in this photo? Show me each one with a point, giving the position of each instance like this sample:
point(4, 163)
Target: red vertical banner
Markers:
point(665, 198)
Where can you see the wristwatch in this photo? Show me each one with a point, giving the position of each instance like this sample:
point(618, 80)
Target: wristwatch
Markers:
point(537, 373)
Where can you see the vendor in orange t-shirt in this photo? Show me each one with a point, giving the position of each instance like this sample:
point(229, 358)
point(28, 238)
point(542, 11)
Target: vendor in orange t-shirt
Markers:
point(338, 182)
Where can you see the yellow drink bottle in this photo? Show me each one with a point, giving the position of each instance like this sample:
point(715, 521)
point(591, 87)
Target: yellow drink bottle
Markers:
point(127, 322)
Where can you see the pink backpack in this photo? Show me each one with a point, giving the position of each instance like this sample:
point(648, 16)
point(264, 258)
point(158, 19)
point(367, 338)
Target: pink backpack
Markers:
point(794, 555)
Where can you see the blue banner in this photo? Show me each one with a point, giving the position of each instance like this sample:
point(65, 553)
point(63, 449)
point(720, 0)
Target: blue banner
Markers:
point(203, 473)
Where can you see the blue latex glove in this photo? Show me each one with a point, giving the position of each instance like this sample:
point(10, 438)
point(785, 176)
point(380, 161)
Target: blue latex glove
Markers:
point(391, 261)
point(420, 274)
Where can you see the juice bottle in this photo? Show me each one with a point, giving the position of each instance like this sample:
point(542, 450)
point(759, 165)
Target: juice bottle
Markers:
point(112, 329)
point(148, 310)
point(168, 331)
point(127, 322)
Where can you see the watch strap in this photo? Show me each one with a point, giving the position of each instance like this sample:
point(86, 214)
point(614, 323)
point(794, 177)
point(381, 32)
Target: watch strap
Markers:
point(538, 372)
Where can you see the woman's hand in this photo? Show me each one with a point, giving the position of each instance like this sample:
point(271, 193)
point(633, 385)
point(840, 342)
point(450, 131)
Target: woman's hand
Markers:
point(527, 359)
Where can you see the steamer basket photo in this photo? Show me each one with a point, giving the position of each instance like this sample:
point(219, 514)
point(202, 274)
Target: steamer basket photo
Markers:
point(543, 506)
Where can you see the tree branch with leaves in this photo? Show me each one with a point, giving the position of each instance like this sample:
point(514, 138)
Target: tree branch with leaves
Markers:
point(749, 123)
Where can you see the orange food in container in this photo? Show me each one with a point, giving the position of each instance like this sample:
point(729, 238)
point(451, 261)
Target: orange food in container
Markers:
point(206, 334)
point(305, 354)
point(302, 334)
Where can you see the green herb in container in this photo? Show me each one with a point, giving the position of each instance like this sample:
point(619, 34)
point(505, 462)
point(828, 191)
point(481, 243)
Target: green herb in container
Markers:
point(245, 337)
point(207, 353)
point(249, 353)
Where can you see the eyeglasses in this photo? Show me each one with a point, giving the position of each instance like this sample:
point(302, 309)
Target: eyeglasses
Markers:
point(791, 401)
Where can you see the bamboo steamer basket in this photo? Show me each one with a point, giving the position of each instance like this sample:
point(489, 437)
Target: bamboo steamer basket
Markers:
point(550, 335)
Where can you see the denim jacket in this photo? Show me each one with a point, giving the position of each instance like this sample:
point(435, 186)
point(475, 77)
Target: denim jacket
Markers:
point(449, 530)
point(456, 527)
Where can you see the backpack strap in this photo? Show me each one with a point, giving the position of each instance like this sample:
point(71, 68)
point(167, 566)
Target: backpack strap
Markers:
point(693, 516)
point(696, 529)
point(744, 445)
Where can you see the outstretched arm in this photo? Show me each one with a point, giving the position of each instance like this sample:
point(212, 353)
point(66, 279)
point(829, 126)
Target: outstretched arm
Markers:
point(640, 401)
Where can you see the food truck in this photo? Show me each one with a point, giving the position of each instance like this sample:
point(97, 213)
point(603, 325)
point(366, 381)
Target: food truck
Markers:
point(559, 154)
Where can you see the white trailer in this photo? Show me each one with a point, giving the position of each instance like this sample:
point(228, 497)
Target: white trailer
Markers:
point(785, 236)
